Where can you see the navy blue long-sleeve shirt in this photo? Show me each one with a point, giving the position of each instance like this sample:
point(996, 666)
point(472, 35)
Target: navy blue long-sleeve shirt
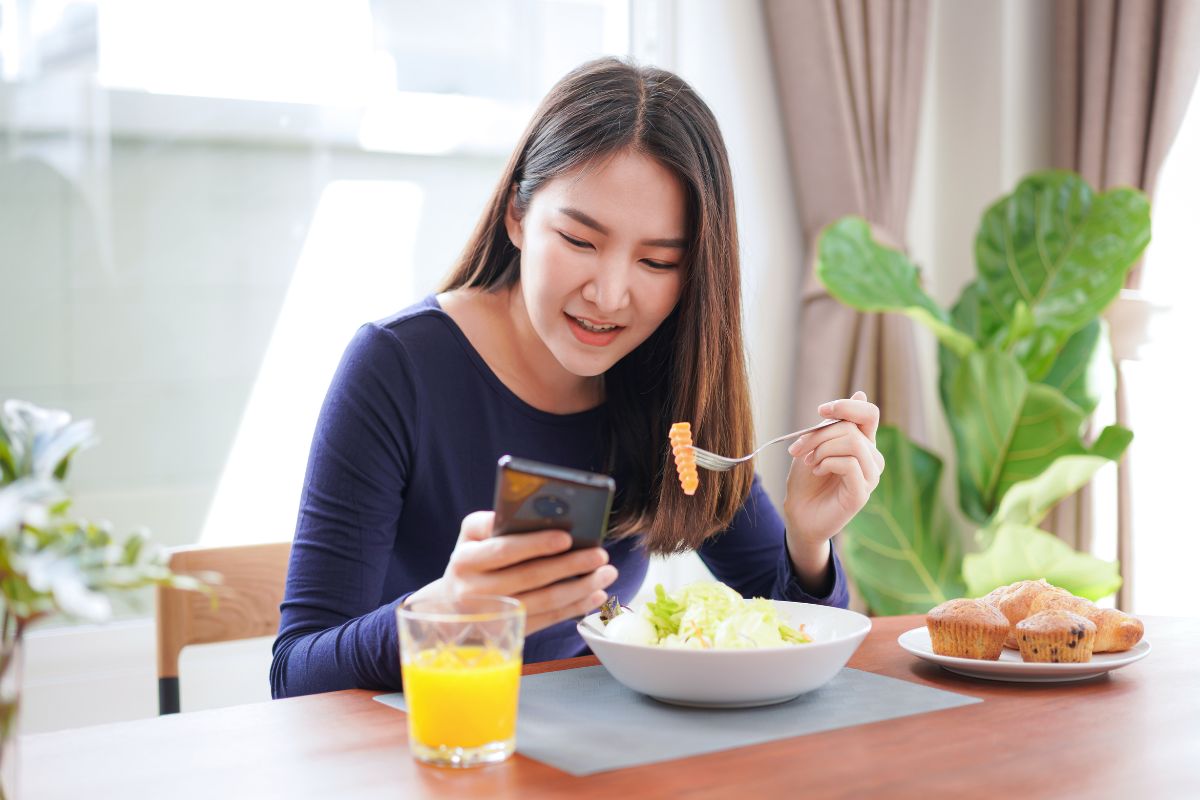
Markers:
point(405, 447)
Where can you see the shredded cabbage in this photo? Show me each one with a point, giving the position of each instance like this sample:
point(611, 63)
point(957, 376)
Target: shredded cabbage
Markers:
point(708, 616)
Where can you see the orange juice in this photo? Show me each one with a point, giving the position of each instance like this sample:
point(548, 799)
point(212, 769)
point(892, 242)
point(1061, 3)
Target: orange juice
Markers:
point(461, 696)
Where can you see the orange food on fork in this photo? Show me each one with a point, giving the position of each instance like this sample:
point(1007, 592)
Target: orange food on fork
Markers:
point(685, 457)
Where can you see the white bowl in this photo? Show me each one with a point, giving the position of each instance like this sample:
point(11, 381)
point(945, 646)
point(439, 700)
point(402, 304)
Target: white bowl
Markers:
point(736, 678)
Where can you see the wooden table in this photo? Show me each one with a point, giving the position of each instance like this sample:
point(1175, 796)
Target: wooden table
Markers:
point(1133, 733)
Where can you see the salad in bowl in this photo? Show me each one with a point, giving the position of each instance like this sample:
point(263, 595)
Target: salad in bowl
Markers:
point(706, 645)
point(702, 616)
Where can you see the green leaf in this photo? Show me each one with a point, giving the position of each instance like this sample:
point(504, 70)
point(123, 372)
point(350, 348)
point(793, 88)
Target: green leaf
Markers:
point(974, 315)
point(1066, 367)
point(984, 396)
point(1008, 430)
point(867, 276)
point(8, 465)
point(1022, 552)
point(1070, 372)
point(1028, 502)
point(1060, 249)
point(900, 550)
point(1022, 326)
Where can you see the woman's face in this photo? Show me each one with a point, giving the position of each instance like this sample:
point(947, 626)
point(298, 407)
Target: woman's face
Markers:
point(602, 252)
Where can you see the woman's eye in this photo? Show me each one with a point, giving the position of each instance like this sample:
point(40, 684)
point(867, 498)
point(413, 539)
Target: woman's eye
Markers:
point(658, 264)
point(580, 243)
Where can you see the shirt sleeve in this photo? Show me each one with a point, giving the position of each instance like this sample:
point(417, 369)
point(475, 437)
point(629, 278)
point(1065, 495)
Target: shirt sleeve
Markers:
point(333, 632)
point(751, 556)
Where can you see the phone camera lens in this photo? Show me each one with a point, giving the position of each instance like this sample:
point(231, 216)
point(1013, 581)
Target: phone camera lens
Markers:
point(550, 506)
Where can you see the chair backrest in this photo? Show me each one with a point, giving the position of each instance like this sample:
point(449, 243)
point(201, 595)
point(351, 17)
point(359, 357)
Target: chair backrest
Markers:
point(247, 605)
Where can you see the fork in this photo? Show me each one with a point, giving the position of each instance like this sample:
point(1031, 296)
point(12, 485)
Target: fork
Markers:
point(716, 463)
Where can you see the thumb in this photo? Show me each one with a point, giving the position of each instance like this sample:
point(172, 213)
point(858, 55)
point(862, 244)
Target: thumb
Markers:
point(476, 526)
point(859, 395)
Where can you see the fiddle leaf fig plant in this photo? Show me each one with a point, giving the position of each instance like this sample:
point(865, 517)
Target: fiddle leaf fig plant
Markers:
point(1017, 354)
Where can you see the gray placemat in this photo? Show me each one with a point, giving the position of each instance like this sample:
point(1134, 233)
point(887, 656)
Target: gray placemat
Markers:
point(582, 721)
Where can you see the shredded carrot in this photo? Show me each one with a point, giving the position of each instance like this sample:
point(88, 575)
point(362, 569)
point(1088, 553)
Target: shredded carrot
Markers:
point(685, 458)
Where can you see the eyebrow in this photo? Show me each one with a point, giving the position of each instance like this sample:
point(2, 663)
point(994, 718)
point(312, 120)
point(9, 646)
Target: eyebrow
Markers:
point(584, 219)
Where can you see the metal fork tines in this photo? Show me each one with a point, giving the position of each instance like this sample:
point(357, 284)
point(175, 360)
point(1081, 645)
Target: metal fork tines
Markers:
point(716, 463)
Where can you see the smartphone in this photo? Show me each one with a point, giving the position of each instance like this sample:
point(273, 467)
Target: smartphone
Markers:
point(532, 496)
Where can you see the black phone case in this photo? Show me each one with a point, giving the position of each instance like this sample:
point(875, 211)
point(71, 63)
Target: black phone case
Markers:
point(532, 496)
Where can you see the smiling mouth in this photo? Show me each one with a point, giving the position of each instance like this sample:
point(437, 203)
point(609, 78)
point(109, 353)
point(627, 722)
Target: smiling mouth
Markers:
point(592, 327)
point(591, 333)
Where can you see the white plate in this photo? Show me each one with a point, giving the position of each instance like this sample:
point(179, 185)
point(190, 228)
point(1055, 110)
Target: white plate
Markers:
point(1010, 667)
point(735, 678)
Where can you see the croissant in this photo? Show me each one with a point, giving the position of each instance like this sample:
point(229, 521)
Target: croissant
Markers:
point(1116, 631)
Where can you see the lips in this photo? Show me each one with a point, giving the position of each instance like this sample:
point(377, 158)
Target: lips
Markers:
point(591, 332)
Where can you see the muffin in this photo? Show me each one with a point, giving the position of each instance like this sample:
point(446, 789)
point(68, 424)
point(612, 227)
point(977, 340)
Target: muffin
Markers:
point(967, 628)
point(1057, 637)
point(1116, 631)
point(1014, 601)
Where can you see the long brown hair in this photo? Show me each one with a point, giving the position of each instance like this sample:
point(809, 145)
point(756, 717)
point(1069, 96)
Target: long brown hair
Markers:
point(693, 367)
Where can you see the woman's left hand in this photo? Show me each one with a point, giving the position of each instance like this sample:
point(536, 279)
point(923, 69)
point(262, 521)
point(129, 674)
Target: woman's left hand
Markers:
point(834, 470)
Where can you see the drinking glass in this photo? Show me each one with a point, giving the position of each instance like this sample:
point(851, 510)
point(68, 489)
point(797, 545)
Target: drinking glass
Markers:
point(461, 665)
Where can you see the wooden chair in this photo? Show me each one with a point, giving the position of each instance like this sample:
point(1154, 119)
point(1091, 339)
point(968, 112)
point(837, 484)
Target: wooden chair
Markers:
point(248, 598)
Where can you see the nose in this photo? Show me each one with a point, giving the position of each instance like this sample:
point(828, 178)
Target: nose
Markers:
point(608, 289)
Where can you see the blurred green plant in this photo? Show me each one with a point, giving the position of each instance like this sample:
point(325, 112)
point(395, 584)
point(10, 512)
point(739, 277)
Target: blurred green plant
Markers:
point(50, 561)
point(1017, 358)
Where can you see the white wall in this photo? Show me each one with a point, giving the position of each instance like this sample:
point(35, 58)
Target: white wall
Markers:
point(985, 122)
point(90, 675)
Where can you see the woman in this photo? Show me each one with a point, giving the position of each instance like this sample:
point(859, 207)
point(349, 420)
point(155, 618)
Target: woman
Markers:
point(596, 303)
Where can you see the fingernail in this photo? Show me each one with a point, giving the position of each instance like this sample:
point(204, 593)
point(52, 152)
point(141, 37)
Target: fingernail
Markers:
point(808, 459)
point(825, 409)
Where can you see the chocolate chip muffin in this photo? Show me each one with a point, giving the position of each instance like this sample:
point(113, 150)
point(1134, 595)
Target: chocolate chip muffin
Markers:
point(1056, 636)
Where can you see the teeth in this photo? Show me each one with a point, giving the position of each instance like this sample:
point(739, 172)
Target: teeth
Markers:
point(587, 326)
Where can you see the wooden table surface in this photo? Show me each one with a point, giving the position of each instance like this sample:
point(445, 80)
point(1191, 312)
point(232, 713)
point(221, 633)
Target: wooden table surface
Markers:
point(1132, 733)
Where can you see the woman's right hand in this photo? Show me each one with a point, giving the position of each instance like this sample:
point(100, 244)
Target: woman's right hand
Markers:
point(536, 568)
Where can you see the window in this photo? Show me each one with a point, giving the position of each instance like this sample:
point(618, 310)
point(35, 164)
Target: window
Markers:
point(200, 202)
point(1163, 390)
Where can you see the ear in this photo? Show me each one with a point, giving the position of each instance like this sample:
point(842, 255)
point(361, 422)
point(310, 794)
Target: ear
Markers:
point(516, 234)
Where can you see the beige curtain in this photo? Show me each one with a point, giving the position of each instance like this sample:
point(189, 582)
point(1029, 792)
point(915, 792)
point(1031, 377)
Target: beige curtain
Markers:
point(849, 78)
point(1124, 74)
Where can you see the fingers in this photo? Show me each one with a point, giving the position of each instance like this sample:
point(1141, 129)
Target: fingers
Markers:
point(537, 568)
point(857, 409)
point(841, 440)
point(498, 552)
point(476, 526)
point(822, 459)
point(530, 575)
point(812, 440)
point(850, 470)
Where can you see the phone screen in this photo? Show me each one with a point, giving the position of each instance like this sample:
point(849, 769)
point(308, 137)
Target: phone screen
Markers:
point(534, 496)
